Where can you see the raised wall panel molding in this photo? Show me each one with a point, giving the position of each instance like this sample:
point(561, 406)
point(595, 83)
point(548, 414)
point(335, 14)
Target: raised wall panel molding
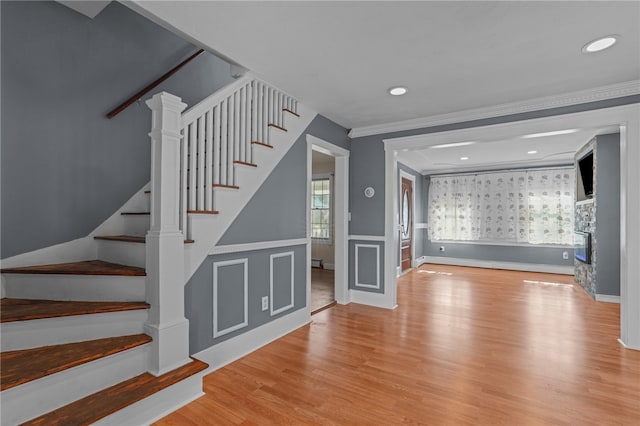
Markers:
point(262, 245)
point(271, 283)
point(245, 279)
point(619, 90)
point(357, 280)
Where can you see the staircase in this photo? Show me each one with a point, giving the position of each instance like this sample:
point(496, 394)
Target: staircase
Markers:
point(101, 338)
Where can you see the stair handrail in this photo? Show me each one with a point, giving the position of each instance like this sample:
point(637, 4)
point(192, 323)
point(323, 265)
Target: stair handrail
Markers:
point(117, 110)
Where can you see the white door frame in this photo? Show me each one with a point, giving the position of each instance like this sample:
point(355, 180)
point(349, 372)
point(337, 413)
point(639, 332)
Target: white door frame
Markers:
point(412, 178)
point(626, 118)
point(340, 216)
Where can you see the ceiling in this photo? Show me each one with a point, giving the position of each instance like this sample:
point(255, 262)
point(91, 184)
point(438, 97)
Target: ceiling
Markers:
point(341, 57)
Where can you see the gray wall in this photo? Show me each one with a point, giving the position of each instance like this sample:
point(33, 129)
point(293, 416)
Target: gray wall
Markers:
point(65, 166)
point(276, 212)
point(607, 233)
point(199, 297)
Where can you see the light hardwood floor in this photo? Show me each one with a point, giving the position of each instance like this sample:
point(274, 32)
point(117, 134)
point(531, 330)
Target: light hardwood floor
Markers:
point(465, 346)
point(322, 288)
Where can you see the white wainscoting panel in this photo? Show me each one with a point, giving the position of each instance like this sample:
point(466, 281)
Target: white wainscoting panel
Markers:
point(271, 283)
point(377, 249)
point(217, 265)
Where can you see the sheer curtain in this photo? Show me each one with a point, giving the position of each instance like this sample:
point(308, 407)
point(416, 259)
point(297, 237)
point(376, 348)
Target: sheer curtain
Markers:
point(523, 206)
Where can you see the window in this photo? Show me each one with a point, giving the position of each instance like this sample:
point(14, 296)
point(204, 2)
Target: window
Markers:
point(524, 206)
point(321, 209)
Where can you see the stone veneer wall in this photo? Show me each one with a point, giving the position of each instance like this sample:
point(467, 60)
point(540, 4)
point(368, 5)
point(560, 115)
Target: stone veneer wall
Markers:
point(585, 220)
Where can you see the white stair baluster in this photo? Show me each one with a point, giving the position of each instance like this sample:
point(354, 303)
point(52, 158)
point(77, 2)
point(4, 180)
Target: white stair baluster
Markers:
point(216, 144)
point(254, 112)
point(246, 136)
point(231, 139)
point(192, 166)
point(208, 183)
point(242, 116)
point(184, 180)
point(224, 137)
point(200, 159)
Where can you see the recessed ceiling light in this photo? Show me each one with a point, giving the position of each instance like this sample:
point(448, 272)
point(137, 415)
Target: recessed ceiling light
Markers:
point(397, 91)
point(451, 145)
point(600, 44)
point(464, 158)
point(554, 133)
point(532, 152)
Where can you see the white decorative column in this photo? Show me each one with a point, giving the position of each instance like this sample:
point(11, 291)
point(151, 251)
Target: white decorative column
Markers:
point(165, 242)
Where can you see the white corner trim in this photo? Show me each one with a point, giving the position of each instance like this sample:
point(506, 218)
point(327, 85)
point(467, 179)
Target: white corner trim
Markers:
point(607, 298)
point(273, 311)
point(368, 298)
point(511, 266)
point(357, 279)
point(367, 237)
point(262, 245)
point(245, 322)
point(223, 353)
point(590, 95)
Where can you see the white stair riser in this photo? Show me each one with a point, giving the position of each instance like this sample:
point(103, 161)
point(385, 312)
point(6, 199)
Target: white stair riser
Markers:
point(75, 287)
point(122, 252)
point(35, 398)
point(158, 405)
point(136, 224)
point(56, 331)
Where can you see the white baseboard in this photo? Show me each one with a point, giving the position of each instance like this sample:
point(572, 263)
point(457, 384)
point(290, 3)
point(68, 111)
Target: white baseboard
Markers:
point(368, 298)
point(513, 266)
point(330, 266)
point(226, 352)
point(607, 298)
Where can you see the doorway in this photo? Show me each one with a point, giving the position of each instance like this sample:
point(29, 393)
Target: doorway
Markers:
point(322, 231)
point(330, 264)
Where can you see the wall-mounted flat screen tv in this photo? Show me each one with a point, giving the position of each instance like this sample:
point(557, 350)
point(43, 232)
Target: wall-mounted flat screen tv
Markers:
point(586, 174)
point(582, 246)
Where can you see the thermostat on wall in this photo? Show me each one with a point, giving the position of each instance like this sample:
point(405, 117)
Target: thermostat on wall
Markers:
point(369, 192)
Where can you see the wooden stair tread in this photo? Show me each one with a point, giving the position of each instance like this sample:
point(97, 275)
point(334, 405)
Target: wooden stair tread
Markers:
point(25, 365)
point(94, 407)
point(219, 185)
point(31, 309)
point(87, 267)
point(203, 211)
point(266, 145)
point(275, 126)
point(135, 213)
point(291, 112)
point(124, 238)
point(244, 163)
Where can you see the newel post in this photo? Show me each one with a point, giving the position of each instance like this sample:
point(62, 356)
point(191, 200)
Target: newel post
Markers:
point(166, 324)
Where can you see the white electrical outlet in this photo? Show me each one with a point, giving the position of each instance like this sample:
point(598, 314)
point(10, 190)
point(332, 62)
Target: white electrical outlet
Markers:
point(565, 254)
point(265, 303)
point(441, 248)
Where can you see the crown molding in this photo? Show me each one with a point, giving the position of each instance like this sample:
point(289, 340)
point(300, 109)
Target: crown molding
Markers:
point(612, 91)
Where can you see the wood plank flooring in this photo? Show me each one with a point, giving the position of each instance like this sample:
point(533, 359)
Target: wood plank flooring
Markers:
point(322, 289)
point(465, 346)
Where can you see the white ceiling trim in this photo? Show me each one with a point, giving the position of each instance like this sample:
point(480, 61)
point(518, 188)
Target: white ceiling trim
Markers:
point(590, 95)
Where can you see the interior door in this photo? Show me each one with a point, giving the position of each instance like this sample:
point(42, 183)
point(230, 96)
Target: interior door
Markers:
point(406, 223)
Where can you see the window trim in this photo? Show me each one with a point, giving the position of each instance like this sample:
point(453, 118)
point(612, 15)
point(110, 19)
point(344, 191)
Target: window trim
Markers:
point(322, 176)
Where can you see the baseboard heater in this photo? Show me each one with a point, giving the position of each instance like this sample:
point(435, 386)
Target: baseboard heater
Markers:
point(317, 263)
